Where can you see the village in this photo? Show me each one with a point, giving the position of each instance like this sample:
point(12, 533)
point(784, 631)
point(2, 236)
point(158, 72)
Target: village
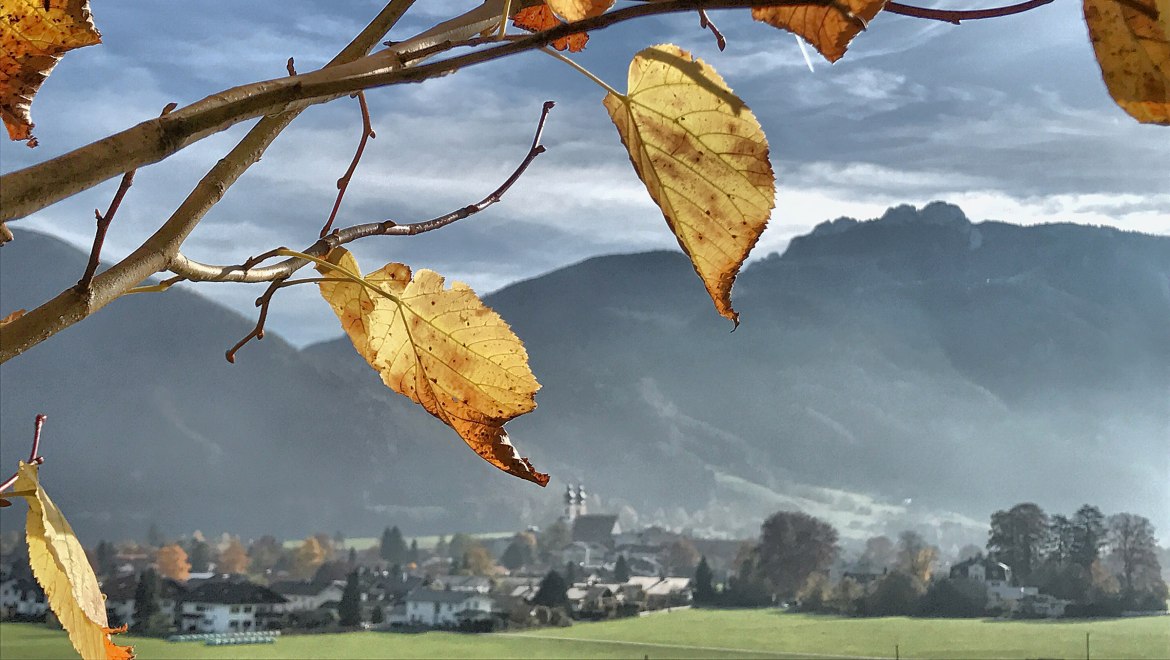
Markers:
point(582, 567)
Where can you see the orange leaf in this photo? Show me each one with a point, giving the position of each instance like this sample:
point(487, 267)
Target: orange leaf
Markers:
point(539, 18)
point(829, 28)
point(33, 36)
point(1132, 42)
point(441, 347)
point(575, 10)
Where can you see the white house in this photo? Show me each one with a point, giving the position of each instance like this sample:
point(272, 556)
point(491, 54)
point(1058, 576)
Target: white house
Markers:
point(997, 577)
point(665, 592)
point(304, 596)
point(22, 598)
point(230, 605)
point(427, 607)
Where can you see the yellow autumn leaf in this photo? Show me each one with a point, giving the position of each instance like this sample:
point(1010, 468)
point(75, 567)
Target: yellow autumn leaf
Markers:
point(442, 348)
point(575, 10)
point(1132, 42)
point(828, 28)
point(33, 36)
point(704, 159)
point(60, 566)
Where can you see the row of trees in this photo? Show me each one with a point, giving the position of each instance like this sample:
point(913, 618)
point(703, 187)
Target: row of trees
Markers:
point(1092, 559)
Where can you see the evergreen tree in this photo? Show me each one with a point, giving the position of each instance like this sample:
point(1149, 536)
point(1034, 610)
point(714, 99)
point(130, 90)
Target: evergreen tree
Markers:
point(377, 615)
point(1088, 535)
point(352, 557)
point(200, 557)
point(106, 558)
point(702, 587)
point(393, 548)
point(146, 600)
point(570, 572)
point(553, 591)
point(155, 537)
point(621, 570)
point(413, 555)
point(441, 548)
point(349, 610)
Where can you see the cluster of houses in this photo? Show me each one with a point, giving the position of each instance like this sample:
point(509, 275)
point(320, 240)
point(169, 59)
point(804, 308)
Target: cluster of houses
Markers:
point(421, 596)
point(424, 596)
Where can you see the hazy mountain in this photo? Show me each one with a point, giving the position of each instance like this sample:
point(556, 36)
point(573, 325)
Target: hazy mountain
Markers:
point(913, 370)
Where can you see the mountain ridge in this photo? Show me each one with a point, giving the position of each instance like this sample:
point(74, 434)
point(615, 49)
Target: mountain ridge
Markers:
point(873, 362)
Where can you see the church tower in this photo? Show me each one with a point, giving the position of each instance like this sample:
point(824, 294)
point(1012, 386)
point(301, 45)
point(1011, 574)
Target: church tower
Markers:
point(574, 502)
point(581, 506)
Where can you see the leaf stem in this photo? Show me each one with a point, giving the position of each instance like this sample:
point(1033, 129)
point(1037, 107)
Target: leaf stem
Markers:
point(33, 455)
point(583, 71)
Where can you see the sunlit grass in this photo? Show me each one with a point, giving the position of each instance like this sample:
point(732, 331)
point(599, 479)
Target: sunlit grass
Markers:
point(682, 634)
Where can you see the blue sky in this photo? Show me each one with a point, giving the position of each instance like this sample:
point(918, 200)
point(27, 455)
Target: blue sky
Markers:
point(1007, 118)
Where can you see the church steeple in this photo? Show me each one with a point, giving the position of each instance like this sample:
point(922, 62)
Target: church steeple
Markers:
point(574, 502)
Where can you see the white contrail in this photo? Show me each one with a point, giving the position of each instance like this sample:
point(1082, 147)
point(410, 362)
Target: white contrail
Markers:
point(804, 51)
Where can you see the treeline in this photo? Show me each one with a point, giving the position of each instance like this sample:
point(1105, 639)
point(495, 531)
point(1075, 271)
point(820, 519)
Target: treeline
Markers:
point(1084, 564)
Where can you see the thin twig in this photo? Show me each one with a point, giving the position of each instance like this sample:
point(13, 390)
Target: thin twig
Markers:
point(32, 188)
point(156, 253)
point(248, 272)
point(343, 182)
point(257, 332)
point(705, 22)
point(410, 229)
point(957, 16)
point(103, 222)
point(34, 455)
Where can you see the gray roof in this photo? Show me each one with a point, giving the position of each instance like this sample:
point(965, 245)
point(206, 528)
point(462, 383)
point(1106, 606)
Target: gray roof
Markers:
point(433, 596)
point(232, 592)
point(595, 528)
point(299, 588)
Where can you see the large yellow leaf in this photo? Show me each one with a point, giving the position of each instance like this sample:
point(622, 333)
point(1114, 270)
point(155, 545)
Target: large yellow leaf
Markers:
point(1132, 41)
point(575, 10)
point(704, 159)
point(442, 348)
point(59, 564)
point(33, 36)
point(829, 28)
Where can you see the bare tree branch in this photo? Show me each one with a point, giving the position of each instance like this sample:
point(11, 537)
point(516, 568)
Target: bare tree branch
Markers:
point(34, 455)
point(958, 16)
point(343, 182)
point(155, 254)
point(249, 272)
point(37, 186)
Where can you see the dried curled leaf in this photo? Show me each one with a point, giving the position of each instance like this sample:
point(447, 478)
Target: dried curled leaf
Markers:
point(539, 18)
point(575, 10)
point(11, 317)
point(704, 159)
point(1132, 42)
point(60, 566)
point(828, 28)
point(33, 36)
point(442, 348)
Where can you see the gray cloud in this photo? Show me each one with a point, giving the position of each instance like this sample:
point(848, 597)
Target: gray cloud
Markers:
point(1007, 118)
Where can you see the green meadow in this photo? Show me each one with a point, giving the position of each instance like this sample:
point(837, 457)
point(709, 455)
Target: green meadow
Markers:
point(683, 634)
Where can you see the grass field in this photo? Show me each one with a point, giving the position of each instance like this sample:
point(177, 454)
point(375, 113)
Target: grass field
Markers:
point(683, 634)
